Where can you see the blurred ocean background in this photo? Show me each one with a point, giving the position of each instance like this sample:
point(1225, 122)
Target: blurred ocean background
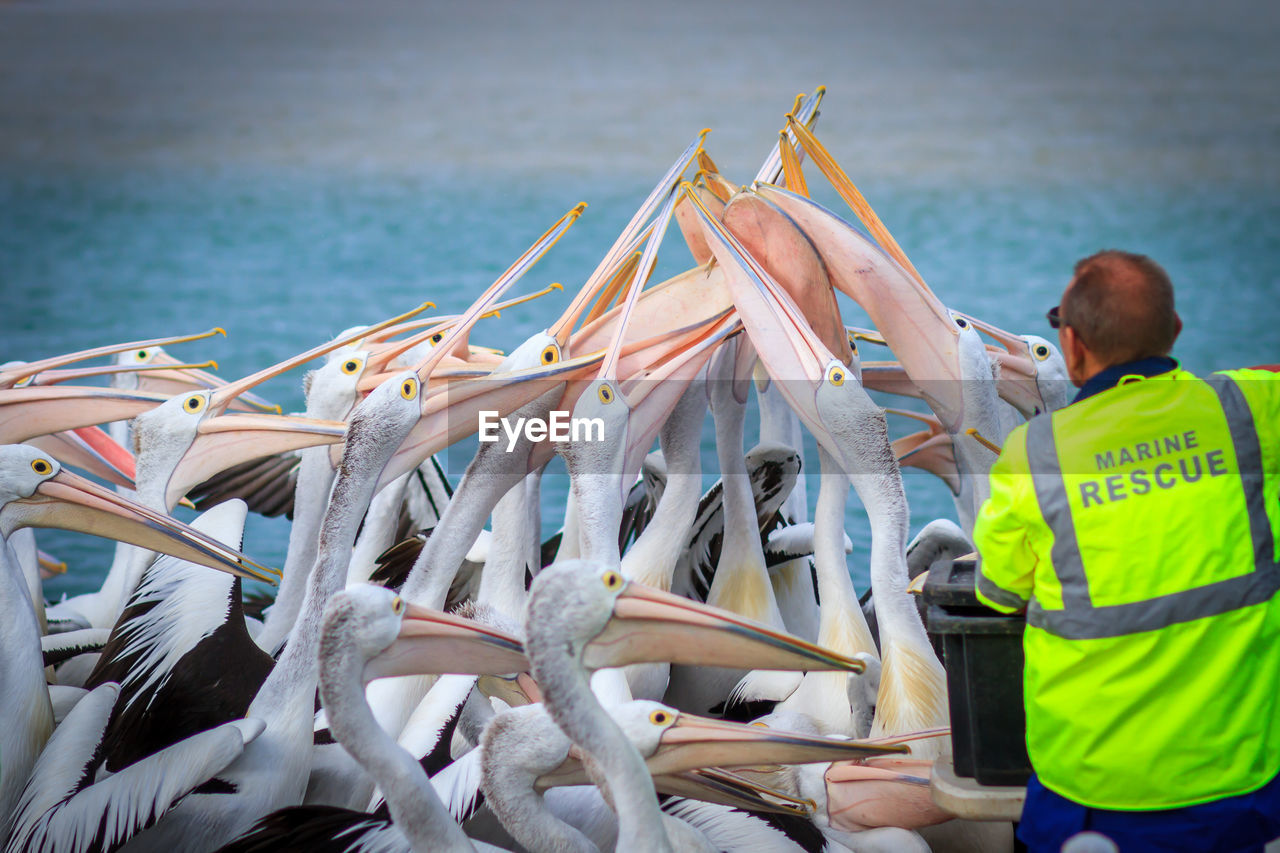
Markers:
point(287, 170)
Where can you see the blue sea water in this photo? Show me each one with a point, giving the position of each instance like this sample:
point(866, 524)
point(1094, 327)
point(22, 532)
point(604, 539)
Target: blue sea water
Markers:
point(285, 262)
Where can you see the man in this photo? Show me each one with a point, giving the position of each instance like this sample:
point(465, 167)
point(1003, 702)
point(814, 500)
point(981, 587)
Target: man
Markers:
point(1138, 528)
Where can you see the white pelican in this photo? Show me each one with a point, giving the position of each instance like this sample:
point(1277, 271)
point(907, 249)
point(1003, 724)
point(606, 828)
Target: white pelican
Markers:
point(523, 752)
point(582, 616)
point(369, 632)
point(851, 430)
point(36, 492)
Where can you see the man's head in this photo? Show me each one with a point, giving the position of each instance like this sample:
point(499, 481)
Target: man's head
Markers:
point(1117, 308)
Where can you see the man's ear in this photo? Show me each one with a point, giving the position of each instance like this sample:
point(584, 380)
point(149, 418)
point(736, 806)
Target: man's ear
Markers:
point(1177, 326)
point(1073, 353)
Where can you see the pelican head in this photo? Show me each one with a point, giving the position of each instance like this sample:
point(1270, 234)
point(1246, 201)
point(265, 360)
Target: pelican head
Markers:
point(37, 492)
point(397, 638)
point(184, 441)
point(825, 391)
point(334, 388)
point(604, 620)
point(673, 742)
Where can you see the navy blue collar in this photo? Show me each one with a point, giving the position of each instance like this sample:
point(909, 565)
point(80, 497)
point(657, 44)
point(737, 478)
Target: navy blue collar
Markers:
point(1110, 377)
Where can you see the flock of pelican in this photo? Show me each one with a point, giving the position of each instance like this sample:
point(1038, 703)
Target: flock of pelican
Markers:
point(672, 671)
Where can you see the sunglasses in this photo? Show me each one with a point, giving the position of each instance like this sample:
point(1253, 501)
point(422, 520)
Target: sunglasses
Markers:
point(1055, 320)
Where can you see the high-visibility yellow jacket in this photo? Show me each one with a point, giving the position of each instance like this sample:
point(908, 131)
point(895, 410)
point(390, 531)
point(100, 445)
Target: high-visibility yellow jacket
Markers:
point(1139, 527)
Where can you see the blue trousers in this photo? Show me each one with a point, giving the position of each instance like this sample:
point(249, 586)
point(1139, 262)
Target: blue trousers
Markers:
point(1242, 824)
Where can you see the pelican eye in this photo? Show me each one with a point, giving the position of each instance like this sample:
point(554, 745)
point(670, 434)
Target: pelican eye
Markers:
point(397, 605)
point(41, 466)
point(836, 375)
point(437, 337)
point(350, 366)
point(141, 355)
point(612, 580)
point(605, 393)
point(409, 388)
point(1040, 351)
point(194, 403)
point(961, 322)
point(550, 355)
point(659, 718)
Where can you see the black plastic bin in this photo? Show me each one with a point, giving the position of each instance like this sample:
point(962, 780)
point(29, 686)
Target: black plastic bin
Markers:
point(982, 650)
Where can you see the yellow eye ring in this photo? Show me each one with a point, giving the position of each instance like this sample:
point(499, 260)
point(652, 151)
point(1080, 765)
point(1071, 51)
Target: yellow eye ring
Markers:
point(193, 404)
point(961, 322)
point(1040, 351)
point(612, 580)
point(350, 366)
point(41, 466)
point(397, 605)
point(551, 354)
point(659, 718)
point(409, 388)
point(605, 393)
point(142, 354)
point(437, 337)
point(836, 375)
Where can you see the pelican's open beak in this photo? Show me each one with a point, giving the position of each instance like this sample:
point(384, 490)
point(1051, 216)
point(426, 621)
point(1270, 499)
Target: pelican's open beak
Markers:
point(92, 450)
point(889, 377)
point(224, 441)
point(653, 394)
point(793, 264)
point(914, 322)
point(694, 741)
point(649, 625)
point(451, 413)
point(804, 111)
point(609, 293)
point(708, 784)
point(10, 376)
point(70, 502)
point(712, 785)
point(170, 376)
point(41, 409)
point(222, 398)
point(793, 354)
point(432, 642)
point(687, 220)
point(615, 261)
point(929, 450)
point(456, 334)
point(914, 772)
point(607, 278)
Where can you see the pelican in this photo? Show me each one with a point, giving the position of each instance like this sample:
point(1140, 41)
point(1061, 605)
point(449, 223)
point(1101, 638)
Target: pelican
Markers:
point(583, 616)
point(523, 751)
point(181, 630)
point(36, 492)
point(853, 435)
point(181, 443)
point(369, 632)
point(940, 350)
point(273, 771)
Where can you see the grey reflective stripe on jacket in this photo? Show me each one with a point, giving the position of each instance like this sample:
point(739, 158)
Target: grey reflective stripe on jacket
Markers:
point(1079, 619)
